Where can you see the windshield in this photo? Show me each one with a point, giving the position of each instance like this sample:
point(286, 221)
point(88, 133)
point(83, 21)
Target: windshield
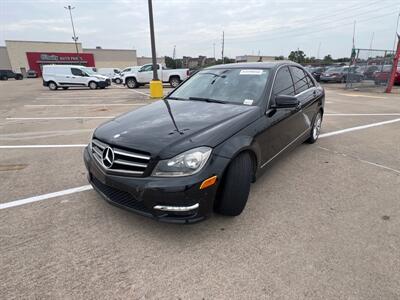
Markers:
point(90, 71)
point(239, 86)
point(334, 70)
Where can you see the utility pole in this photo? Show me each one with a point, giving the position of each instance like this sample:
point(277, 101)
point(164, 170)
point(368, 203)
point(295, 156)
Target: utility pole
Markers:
point(214, 49)
point(173, 55)
point(370, 44)
point(319, 48)
point(74, 38)
point(354, 34)
point(223, 45)
point(156, 89)
point(395, 33)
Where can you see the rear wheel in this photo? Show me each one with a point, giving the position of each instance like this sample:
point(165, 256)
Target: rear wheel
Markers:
point(315, 129)
point(92, 85)
point(132, 83)
point(174, 81)
point(235, 187)
point(53, 86)
point(4, 78)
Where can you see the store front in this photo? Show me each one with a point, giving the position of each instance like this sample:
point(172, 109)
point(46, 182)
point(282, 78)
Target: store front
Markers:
point(37, 59)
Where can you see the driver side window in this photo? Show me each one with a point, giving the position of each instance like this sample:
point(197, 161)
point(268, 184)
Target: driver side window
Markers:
point(77, 72)
point(283, 84)
point(147, 68)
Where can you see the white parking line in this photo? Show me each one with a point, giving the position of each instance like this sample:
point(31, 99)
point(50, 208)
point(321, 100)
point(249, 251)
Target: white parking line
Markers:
point(141, 93)
point(361, 160)
point(60, 118)
point(84, 104)
point(364, 96)
point(358, 128)
point(346, 115)
point(42, 146)
point(45, 197)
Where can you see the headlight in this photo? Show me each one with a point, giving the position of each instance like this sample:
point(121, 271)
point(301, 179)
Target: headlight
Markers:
point(184, 164)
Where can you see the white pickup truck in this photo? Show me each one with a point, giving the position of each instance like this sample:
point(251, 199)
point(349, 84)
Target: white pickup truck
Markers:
point(144, 75)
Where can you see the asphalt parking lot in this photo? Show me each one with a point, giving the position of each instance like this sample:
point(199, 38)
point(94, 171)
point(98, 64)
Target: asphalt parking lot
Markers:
point(322, 223)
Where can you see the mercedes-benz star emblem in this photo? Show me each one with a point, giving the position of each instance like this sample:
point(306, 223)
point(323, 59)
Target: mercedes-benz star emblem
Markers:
point(108, 157)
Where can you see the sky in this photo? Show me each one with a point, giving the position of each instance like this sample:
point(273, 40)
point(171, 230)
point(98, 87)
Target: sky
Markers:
point(194, 26)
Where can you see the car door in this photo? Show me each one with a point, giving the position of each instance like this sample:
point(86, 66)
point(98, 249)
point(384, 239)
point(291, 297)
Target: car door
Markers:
point(280, 127)
point(145, 74)
point(306, 93)
point(77, 77)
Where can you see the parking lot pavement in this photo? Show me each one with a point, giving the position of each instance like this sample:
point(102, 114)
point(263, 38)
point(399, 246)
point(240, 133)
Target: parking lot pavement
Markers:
point(323, 222)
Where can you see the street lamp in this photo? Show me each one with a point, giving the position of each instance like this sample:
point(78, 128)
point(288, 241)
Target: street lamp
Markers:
point(156, 88)
point(74, 38)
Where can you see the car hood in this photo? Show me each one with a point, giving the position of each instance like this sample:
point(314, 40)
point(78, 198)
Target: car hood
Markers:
point(151, 128)
point(101, 77)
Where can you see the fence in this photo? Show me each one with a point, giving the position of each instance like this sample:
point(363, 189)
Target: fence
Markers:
point(369, 68)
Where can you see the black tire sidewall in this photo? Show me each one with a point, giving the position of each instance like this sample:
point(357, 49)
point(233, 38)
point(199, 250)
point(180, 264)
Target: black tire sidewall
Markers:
point(235, 186)
point(311, 139)
point(135, 84)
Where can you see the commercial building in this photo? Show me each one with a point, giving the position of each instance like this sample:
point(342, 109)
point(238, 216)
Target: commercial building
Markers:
point(21, 56)
point(254, 58)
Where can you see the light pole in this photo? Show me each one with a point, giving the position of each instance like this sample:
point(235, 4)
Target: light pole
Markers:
point(156, 88)
point(74, 38)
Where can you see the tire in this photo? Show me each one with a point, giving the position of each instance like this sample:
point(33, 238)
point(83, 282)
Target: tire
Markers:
point(92, 85)
point(53, 86)
point(19, 77)
point(315, 129)
point(118, 81)
point(4, 78)
point(174, 81)
point(343, 80)
point(65, 88)
point(132, 83)
point(235, 188)
point(102, 87)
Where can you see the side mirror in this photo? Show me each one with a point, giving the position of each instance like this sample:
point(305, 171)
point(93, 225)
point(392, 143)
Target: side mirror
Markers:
point(286, 101)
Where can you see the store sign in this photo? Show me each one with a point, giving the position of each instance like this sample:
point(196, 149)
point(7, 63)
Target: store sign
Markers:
point(53, 57)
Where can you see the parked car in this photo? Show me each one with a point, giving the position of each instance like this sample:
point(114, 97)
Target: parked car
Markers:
point(316, 72)
point(31, 74)
point(200, 148)
point(382, 76)
point(65, 76)
point(369, 71)
point(6, 74)
point(119, 78)
point(342, 74)
point(145, 74)
point(109, 72)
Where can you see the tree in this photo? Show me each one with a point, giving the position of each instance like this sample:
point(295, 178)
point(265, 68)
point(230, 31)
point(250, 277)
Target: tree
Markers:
point(297, 56)
point(170, 63)
point(328, 58)
point(279, 57)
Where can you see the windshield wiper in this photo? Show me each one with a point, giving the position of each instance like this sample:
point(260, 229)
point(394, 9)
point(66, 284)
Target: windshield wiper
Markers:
point(175, 98)
point(207, 100)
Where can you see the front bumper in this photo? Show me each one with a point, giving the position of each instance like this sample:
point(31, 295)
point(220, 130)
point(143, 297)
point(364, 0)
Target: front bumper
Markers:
point(104, 83)
point(329, 79)
point(172, 199)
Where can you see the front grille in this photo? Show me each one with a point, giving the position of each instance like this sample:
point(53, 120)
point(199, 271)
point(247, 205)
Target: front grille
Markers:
point(119, 197)
point(125, 162)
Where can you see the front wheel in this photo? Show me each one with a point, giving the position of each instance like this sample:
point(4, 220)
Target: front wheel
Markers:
point(315, 129)
point(118, 81)
point(4, 78)
point(235, 188)
point(93, 85)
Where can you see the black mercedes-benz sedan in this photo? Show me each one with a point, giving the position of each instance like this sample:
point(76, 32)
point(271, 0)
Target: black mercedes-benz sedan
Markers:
point(199, 149)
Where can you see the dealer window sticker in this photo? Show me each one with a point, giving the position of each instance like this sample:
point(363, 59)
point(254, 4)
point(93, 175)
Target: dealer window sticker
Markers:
point(251, 72)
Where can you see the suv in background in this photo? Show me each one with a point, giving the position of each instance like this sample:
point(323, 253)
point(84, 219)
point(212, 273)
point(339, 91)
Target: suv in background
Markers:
point(6, 74)
point(31, 74)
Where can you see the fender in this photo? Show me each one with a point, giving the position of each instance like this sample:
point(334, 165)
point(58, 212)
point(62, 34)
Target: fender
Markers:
point(238, 143)
point(131, 76)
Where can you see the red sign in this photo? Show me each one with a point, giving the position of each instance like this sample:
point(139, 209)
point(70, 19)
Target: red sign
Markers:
point(37, 59)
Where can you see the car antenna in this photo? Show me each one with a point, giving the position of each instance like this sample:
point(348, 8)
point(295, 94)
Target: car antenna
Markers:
point(172, 116)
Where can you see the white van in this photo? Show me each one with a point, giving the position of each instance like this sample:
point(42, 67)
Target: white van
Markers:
point(109, 72)
point(65, 76)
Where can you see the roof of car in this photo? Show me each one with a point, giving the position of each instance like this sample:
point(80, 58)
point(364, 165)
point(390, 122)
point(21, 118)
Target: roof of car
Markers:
point(256, 65)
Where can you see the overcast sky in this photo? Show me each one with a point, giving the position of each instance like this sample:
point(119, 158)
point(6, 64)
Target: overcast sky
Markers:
point(251, 27)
